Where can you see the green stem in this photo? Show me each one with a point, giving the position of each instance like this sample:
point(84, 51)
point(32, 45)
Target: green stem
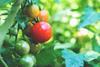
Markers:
point(8, 23)
point(9, 20)
point(4, 63)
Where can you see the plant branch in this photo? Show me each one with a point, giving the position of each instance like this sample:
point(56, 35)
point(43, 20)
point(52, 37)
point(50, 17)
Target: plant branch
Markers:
point(8, 23)
point(9, 20)
point(4, 63)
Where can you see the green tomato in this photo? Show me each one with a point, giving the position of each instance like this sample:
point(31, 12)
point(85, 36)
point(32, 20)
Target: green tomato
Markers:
point(22, 47)
point(27, 61)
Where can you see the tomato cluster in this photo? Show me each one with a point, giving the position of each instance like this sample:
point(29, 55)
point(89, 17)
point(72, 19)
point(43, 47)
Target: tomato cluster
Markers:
point(40, 31)
point(37, 31)
point(20, 50)
point(23, 49)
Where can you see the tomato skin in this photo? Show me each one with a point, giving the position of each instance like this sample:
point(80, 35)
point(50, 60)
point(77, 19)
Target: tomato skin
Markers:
point(43, 15)
point(27, 61)
point(41, 32)
point(22, 47)
point(32, 11)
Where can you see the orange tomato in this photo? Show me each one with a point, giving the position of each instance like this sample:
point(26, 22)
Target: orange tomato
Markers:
point(32, 11)
point(43, 15)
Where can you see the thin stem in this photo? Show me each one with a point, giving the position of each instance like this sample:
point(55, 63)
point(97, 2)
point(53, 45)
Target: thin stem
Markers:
point(8, 23)
point(4, 63)
point(9, 20)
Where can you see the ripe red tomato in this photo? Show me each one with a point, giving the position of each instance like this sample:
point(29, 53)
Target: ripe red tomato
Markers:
point(41, 32)
point(32, 11)
point(43, 15)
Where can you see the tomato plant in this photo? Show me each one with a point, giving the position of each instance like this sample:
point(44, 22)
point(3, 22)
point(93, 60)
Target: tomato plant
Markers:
point(49, 33)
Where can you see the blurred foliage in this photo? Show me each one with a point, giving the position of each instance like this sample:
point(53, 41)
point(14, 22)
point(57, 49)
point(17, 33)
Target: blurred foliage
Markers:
point(76, 32)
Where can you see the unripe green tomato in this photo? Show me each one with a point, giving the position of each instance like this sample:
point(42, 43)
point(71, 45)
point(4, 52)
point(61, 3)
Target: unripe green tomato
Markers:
point(27, 61)
point(22, 47)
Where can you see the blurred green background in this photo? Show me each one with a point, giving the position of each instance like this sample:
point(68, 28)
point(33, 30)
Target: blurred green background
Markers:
point(76, 27)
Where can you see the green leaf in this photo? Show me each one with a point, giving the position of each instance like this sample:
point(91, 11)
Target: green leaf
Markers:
point(91, 55)
point(3, 2)
point(72, 59)
point(97, 65)
point(46, 56)
point(36, 1)
point(92, 28)
point(62, 46)
point(9, 20)
point(89, 17)
point(2, 50)
point(95, 44)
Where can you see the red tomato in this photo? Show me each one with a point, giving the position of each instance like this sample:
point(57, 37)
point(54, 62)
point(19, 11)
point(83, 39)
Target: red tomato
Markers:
point(41, 32)
point(43, 15)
